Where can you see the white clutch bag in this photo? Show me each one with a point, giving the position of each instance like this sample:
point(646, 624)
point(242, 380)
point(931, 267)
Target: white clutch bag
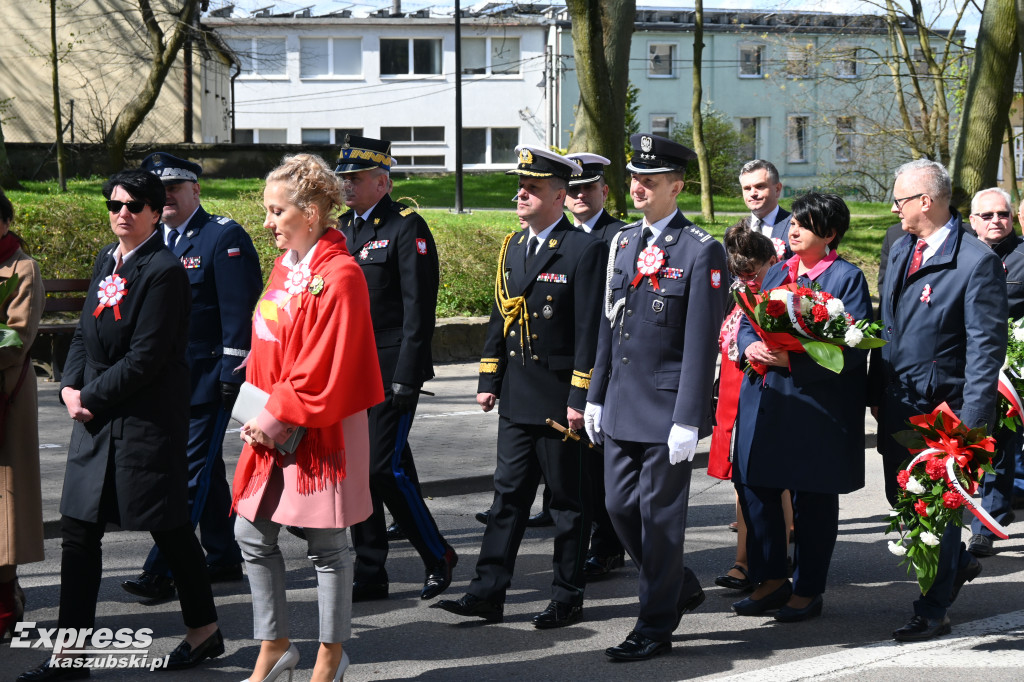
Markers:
point(250, 402)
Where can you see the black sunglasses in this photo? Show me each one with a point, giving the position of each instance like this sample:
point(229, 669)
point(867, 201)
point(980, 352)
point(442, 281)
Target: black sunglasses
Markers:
point(133, 206)
point(993, 214)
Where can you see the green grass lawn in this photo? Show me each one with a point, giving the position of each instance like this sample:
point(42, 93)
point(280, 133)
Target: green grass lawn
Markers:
point(65, 231)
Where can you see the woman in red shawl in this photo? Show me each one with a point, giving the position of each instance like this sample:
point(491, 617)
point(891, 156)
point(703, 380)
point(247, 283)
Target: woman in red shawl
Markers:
point(313, 352)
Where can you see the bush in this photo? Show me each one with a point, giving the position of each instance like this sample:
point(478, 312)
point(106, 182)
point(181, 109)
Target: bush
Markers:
point(724, 145)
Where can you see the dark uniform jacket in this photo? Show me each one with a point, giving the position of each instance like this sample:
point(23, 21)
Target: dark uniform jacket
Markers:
point(538, 375)
point(399, 260)
point(606, 227)
point(1011, 252)
point(780, 232)
point(656, 359)
point(224, 272)
point(134, 378)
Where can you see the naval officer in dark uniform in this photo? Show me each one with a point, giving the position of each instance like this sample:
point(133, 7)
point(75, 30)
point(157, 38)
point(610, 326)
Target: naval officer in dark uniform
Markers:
point(538, 358)
point(224, 271)
point(650, 398)
point(395, 249)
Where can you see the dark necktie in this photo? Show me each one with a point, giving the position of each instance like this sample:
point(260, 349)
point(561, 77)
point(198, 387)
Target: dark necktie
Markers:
point(531, 250)
point(358, 223)
point(915, 262)
point(644, 237)
point(172, 238)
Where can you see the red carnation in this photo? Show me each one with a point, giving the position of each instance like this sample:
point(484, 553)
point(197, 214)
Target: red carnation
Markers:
point(820, 313)
point(902, 478)
point(935, 468)
point(804, 291)
point(952, 500)
point(921, 507)
point(776, 308)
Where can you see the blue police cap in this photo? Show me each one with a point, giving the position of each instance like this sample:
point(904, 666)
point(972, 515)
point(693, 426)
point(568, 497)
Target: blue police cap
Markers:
point(170, 169)
point(653, 154)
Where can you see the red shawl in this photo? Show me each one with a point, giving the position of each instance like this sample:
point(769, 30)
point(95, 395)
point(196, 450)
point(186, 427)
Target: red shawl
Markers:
point(315, 354)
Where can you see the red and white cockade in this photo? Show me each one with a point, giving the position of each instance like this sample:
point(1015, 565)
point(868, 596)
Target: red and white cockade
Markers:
point(112, 289)
point(648, 263)
point(298, 279)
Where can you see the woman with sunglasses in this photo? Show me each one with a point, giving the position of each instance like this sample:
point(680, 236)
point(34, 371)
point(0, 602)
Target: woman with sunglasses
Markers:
point(126, 386)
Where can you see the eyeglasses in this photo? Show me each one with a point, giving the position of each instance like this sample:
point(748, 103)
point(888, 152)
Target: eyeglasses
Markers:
point(989, 215)
point(899, 203)
point(133, 206)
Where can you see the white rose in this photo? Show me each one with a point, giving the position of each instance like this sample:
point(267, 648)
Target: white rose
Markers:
point(1018, 333)
point(779, 295)
point(914, 486)
point(897, 549)
point(928, 538)
point(853, 336)
point(835, 307)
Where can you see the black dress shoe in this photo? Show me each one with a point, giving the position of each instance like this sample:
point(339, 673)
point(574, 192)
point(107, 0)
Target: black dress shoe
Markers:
point(44, 672)
point(483, 516)
point(440, 576)
point(788, 614)
point(733, 583)
point(540, 520)
point(469, 605)
point(395, 532)
point(364, 590)
point(637, 648)
point(558, 615)
point(755, 607)
point(184, 656)
point(600, 566)
point(965, 575)
point(224, 574)
point(693, 601)
point(150, 586)
point(920, 629)
point(981, 546)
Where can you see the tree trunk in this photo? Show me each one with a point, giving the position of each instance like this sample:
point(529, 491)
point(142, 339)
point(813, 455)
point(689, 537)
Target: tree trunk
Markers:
point(8, 179)
point(989, 94)
point(707, 202)
point(163, 55)
point(601, 34)
point(58, 120)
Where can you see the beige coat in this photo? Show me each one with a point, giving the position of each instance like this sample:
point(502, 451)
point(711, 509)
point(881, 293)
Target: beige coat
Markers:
point(21, 508)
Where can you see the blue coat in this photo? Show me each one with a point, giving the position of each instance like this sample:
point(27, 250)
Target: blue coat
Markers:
point(780, 230)
point(802, 428)
point(949, 349)
point(224, 272)
point(656, 360)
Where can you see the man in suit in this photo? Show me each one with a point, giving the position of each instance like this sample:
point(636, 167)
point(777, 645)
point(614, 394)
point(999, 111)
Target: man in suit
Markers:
point(992, 222)
point(396, 250)
point(759, 180)
point(224, 271)
point(587, 193)
point(944, 311)
point(538, 357)
point(651, 395)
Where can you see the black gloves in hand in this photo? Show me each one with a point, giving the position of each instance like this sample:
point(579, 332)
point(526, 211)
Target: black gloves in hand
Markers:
point(404, 397)
point(228, 393)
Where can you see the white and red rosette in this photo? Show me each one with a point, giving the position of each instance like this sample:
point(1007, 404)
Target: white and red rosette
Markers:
point(648, 263)
point(926, 294)
point(112, 289)
point(297, 279)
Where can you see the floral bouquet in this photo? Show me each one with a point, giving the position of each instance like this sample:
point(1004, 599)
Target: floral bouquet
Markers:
point(950, 459)
point(805, 320)
point(8, 337)
point(1011, 378)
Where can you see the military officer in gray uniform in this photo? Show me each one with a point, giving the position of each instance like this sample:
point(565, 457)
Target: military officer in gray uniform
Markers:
point(538, 358)
point(650, 396)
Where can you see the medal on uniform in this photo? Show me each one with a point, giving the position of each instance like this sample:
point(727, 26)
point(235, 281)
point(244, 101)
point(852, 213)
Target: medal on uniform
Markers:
point(112, 290)
point(547, 311)
point(647, 265)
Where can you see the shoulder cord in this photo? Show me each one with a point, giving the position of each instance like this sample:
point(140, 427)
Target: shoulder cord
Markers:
point(612, 308)
point(512, 309)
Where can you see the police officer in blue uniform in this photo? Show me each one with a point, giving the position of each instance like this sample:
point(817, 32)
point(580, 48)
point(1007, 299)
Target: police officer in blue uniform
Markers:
point(394, 246)
point(224, 271)
point(538, 357)
point(650, 398)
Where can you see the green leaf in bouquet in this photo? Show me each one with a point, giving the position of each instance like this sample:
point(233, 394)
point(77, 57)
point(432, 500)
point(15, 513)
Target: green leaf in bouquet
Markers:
point(9, 338)
point(910, 439)
point(868, 343)
point(8, 287)
point(827, 355)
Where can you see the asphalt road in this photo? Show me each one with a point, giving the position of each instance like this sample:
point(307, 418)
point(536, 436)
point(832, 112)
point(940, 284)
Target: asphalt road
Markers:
point(402, 638)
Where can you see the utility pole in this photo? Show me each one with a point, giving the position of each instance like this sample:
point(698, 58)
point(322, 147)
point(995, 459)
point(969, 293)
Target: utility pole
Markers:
point(458, 108)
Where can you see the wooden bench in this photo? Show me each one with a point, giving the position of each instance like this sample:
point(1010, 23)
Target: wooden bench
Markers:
point(63, 296)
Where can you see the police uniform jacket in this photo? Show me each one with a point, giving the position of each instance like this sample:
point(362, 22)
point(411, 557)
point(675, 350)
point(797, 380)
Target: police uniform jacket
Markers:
point(801, 427)
point(540, 367)
point(780, 232)
point(947, 348)
point(606, 227)
point(133, 376)
point(1011, 252)
point(399, 260)
point(656, 358)
point(224, 273)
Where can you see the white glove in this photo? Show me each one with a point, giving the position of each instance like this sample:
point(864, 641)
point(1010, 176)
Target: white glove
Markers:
point(592, 422)
point(682, 443)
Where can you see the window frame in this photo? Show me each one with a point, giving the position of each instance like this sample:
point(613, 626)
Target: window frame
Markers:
point(671, 118)
point(761, 48)
point(331, 76)
point(852, 59)
point(846, 137)
point(411, 72)
point(806, 137)
point(803, 73)
point(489, 161)
point(673, 58)
point(488, 71)
point(254, 61)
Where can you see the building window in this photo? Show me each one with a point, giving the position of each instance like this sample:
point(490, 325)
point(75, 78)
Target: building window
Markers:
point(244, 136)
point(260, 56)
point(261, 136)
point(482, 56)
point(661, 60)
point(418, 160)
point(749, 138)
point(845, 131)
point(412, 134)
point(320, 57)
point(316, 136)
point(751, 61)
point(798, 62)
point(340, 133)
point(796, 139)
point(847, 65)
point(403, 56)
point(489, 145)
point(662, 125)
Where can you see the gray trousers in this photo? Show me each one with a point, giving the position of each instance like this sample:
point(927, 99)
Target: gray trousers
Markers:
point(328, 550)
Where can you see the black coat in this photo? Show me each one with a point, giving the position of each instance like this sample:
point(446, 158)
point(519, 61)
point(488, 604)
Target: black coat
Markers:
point(399, 260)
point(606, 227)
point(134, 378)
point(562, 289)
point(1011, 252)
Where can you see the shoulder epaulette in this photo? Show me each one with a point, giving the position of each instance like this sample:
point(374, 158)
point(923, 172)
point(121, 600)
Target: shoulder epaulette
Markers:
point(402, 209)
point(697, 233)
point(223, 220)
